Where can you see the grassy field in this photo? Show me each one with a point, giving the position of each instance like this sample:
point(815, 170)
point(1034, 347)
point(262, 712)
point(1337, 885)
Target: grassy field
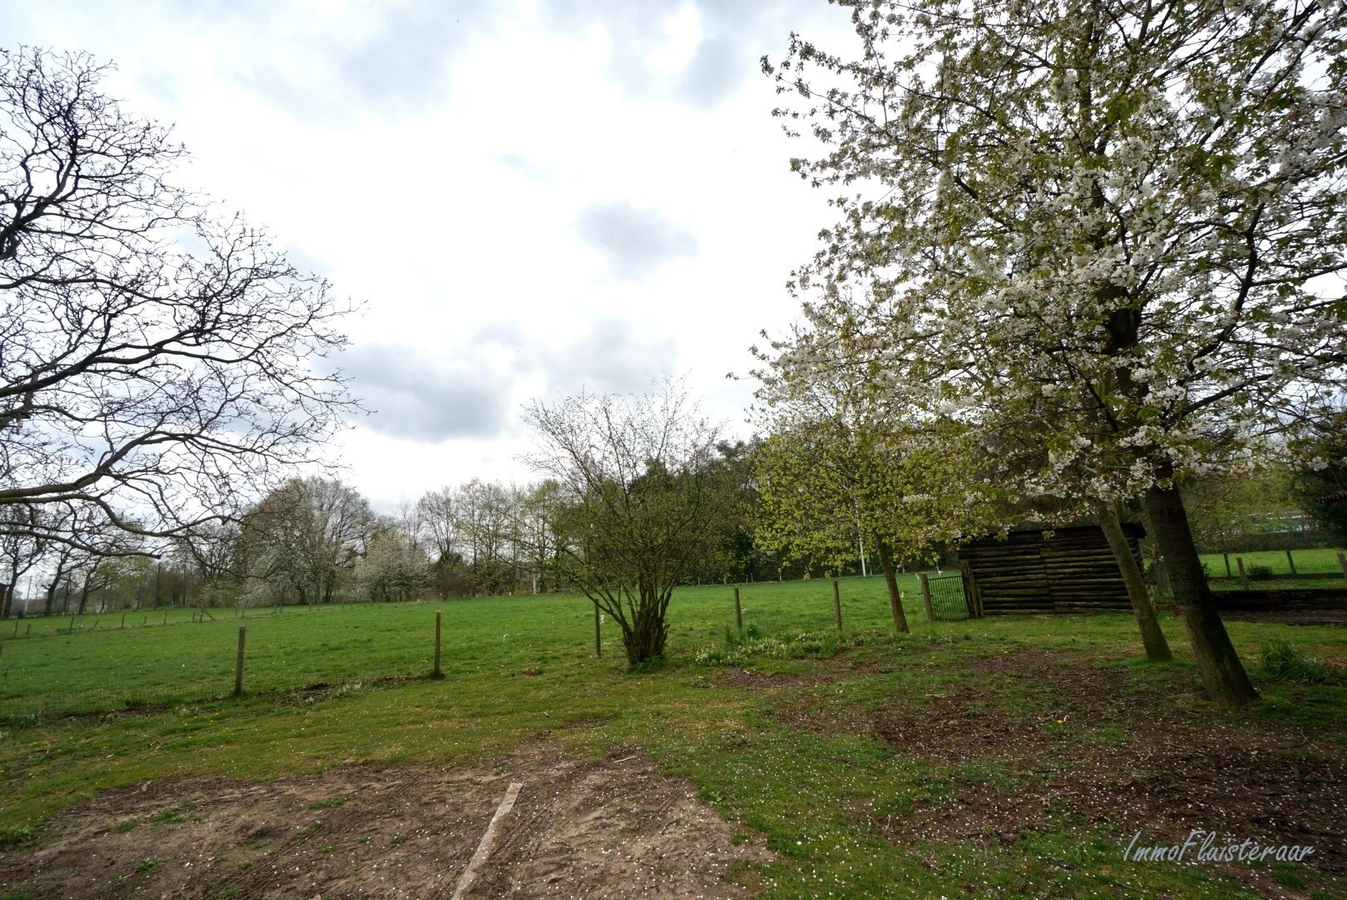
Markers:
point(850, 756)
point(101, 666)
point(1315, 568)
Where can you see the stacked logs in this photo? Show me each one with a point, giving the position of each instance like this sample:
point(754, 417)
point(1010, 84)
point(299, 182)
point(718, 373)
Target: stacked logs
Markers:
point(1034, 570)
point(1294, 599)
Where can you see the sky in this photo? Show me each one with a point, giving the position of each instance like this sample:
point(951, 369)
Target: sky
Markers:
point(526, 199)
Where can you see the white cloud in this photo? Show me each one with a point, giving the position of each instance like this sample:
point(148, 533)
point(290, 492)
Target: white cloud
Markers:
point(527, 200)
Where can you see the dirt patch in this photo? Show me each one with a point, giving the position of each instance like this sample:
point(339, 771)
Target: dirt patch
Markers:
point(752, 678)
point(1087, 743)
point(616, 828)
point(959, 725)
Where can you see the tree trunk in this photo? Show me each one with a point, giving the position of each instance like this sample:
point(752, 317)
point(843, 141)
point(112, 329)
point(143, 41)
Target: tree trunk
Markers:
point(644, 639)
point(1157, 648)
point(891, 581)
point(1222, 673)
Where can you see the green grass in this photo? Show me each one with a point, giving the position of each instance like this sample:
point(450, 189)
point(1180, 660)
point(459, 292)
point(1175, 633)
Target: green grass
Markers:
point(87, 671)
point(85, 711)
point(328, 803)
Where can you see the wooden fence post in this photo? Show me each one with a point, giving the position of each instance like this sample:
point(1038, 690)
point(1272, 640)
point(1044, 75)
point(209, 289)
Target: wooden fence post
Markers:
point(739, 612)
point(123, 618)
point(1243, 576)
point(972, 596)
point(837, 604)
point(1342, 561)
point(1290, 561)
point(437, 672)
point(165, 616)
point(926, 596)
point(1227, 565)
point(72, 624)
point(598, 635)
point(238, 664)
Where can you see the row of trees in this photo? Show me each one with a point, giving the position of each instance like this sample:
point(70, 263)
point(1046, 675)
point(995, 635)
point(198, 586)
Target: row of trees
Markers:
point(94, 566)
point(315, 540)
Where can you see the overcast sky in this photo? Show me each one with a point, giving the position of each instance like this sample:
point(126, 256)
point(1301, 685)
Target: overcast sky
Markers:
point(527, 198)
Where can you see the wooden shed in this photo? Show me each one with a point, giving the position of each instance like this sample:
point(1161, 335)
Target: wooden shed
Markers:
point(1042, 570)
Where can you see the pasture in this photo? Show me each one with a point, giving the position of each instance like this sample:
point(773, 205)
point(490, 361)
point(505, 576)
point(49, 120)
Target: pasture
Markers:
point(997, 757)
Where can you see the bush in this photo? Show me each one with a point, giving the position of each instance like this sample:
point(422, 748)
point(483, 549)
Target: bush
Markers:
point(1282, 662)
point(1259, 573)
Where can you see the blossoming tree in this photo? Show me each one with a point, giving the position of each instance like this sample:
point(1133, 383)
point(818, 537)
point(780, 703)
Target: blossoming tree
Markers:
point(1126, 213)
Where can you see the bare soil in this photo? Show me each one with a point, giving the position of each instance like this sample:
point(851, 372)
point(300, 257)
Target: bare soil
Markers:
point(615, 828)
point(1125, 757)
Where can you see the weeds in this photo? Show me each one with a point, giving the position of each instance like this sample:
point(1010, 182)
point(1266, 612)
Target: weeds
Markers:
point(14, 835)
point(742, 646)
point(1282, 662)
point(328, 803)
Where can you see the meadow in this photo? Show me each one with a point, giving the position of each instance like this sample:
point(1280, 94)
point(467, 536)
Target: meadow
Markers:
point(1316, 567)
point(848, 754)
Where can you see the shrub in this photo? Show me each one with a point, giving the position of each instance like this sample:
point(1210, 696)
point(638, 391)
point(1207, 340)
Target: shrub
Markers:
point(1259, 573)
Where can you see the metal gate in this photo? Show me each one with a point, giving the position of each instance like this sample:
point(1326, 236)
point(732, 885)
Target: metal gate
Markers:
point(944, 596)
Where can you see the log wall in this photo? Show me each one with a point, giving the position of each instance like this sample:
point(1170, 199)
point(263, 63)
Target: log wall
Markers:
point(1063, 570)
point(1298, 599)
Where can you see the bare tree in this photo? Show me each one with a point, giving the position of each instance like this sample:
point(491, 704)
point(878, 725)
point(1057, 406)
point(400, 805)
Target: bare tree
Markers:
point(88, 538)
point(22, 544)
point(156, 357)
point(437, 521)
point(539, 509)
point(641, 501)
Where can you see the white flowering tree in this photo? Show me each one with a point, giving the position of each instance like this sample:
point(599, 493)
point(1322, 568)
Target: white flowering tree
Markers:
point(1118, 222)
